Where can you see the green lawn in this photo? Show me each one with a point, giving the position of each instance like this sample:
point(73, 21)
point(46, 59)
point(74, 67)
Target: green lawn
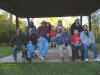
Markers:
point(5, 51)
point(83, 68)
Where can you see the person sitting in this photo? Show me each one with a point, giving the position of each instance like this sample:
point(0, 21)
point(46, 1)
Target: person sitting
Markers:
point(88, 40)
point(52, 36)
point(76, 44)
point(64, 43)
point(18, 42)
point(31, 41)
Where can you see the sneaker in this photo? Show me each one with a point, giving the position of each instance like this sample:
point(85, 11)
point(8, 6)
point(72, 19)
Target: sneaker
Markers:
point(23, 59)
point(86, 59)
point(97, 59)
point(41, 58)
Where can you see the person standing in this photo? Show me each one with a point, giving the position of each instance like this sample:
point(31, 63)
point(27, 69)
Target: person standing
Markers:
point(79, 27)
point(88, 40)
point(31, 25)
point(42, 34)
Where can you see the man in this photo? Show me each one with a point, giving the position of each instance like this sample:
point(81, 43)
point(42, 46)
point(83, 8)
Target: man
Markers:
point(18, 42)
point(74, 26)
point(64, 43)
point(31, 25)
point(88, 40)
point(76, 44)
point(42, 34)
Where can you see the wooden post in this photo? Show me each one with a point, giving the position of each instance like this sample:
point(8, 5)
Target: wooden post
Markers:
point(90, 27)
point(10, 18)
point(17, 22)
point(81, 20)
point(28, 19)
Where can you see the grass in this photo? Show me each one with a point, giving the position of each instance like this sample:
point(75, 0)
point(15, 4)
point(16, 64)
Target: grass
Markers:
point(5, 51)
point(83, 68)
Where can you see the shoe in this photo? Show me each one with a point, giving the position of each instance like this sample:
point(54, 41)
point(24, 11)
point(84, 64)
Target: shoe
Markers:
point(29, 60)
point(97, 59)
point(35, 55)
point(62, 59)
point(15, 61)
point(42, 58)
point(23, 59)
point(86, 59)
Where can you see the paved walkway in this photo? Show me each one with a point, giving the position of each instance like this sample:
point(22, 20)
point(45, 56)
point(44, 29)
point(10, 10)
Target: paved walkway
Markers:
point(52, 56)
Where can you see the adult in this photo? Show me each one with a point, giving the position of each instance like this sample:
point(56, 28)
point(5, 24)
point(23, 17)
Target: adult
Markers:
point(42, 33)
point(77, 26)
point(64, 43)
point(31, 25)
point(18, 42)
point(88, 40)
point(59, 30)
point(31, 42)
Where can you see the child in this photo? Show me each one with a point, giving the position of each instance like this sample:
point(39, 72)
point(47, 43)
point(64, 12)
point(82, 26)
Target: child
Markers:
point(76, 43)
point(31, 50)
point(52, 36)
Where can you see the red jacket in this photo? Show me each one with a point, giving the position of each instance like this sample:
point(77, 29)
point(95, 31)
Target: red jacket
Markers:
point(52, 33)
point(75, 39)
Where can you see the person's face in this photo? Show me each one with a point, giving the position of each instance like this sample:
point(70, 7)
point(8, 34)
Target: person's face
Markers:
point(52, 28)
point(76, 32)
point(48, 24)
point(85, 28)
point(59, 23)
point(63, 31)
point(76, 21)
point(31, 23)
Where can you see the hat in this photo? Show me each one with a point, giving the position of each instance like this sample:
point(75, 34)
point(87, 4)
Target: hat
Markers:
point(43, 22)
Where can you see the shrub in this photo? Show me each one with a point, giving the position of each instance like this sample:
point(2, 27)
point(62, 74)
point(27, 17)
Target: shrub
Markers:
point(6, 31)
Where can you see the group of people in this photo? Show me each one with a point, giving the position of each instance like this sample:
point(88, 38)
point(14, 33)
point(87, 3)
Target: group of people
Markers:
point(81, 39)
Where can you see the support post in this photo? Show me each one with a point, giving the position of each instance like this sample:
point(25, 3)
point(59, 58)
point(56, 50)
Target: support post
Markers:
point(81, 20)
point(90, 27)
point(28, 19)
point(17, 22)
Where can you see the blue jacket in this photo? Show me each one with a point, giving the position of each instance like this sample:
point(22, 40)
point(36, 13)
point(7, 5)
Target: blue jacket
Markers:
point(64, 39)
point(28, 27)
point(85, 39)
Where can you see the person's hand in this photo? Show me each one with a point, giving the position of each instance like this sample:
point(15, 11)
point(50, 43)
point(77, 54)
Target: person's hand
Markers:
point(89, 44)
point(47, 35)
point(38, 39)
point(15, 46)
point(80, 44)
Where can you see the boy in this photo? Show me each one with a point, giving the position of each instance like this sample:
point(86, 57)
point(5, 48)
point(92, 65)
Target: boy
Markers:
point(31, 50)
point(52, 36)
point(76, 44)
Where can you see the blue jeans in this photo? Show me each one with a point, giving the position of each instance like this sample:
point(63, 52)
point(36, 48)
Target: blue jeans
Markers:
point(43, 46)
point(31, 50)
point(74, 48)
point(53, 40)
point(93, 46)
point(15, 52)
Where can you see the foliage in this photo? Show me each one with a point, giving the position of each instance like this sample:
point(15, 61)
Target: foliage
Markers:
point(6, 31)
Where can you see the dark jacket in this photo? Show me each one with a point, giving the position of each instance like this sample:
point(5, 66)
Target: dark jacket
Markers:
point(31, 37)
point(17, 40)
point(74, 26)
